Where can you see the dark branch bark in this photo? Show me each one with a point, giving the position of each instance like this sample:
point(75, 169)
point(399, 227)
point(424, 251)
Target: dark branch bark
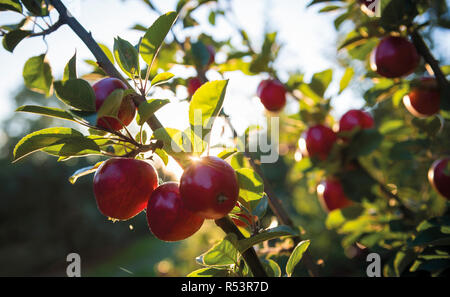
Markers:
point(50, 29)
point(425, 52)
point(250, 256)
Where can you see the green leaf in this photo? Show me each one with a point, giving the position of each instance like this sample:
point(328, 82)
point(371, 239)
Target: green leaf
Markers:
point(161, 78)
point(175, 142)
point(70, 71)
point(12, 39)
point(13, 5)
point(265, 235)
point(251, 185)
point(346, 78)
point(208, 272)
point(320, 81)
point(155, 35)
point(47, 111)
point(74, 147)
point(205, 105)
point(200, 53)
point(36, 7)
point(148, 108)
point(77, 93)
point(260, 209)
point(111, 105)
point(107, 52)
point(365, 142)
point(271, 267)
point(126, 56)
point(223, 253)
point(163, 155)
point(296, 256)
point(37, 75)
point(227, 153)
point(83, 171)
point(42, 139)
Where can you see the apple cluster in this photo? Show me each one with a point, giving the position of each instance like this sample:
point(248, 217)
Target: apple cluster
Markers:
point(208, 189)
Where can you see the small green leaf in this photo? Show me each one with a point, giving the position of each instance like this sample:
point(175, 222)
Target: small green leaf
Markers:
point(205, 105)
point(251, 185)
point(13, 5)
point(260, 209)
point(47, 111)
point(271, 267)
point(70, 71)
point(175, 141)
point(77, 93)
point(223, 253)
point(227, 153)
point(126, 56)
point(111, 105)
point(265, 235)
point(12, 39)
point(83, 171)
point(163, 155)
point(320, 82)
point(148, 108)
point(161, 78)
point(296, 256)
point(346, 78)
point(155, 35)
point(36, 7)
point(41, 139)
point(208, 272)
point(107, 52)
point(37, 75)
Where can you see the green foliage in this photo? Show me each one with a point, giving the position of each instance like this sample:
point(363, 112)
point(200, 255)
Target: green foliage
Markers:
point(37, 75)
point(127, 57)
point(296, 256)
point(76, 93)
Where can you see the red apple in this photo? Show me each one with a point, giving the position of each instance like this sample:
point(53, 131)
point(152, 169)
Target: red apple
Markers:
point(193, 84)
point(438, 177)
point(331, 195)
point(212, 54)
point(317, 142)
point(394, 57)
point(423, 100)
point(127, 109)
point(167, 217)
point(355, 118)
point(272, 94)
point(122, 187)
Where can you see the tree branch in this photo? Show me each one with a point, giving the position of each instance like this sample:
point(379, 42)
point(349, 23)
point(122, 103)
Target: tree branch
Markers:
point(425, 52)
point(50, 29)
point(250, 256)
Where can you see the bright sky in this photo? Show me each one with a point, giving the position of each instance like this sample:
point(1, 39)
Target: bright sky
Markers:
point(309, 39)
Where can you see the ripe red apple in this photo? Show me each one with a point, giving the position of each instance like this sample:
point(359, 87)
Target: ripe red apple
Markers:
point(355, 118)
point(438, 177)
point(317, 142)
point(167, 217)
point(394, 57)
point(193, 84)
point(127, 109)
point(122, 187)
point(423, 100)
point(272, 94)
point(212, 54)
point(331, 195)
point(209, 187)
